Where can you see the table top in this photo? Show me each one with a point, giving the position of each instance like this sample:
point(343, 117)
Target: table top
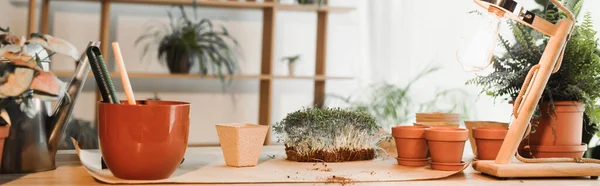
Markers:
point(69, 171)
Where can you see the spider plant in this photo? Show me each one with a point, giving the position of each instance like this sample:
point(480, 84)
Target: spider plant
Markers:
point(183, 43)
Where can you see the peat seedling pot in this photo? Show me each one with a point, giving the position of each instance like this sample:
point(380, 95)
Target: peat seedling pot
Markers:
point(4, 130)
point(241, 143)
point(479, 124)
point(410, 145)
point(446, 145)
point(489, 140)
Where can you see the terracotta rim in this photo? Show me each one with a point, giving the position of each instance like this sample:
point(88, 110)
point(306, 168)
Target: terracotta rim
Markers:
point(575, 148)
point(489, 133)
point(487, 122)
point(4, 130)
point(407, 131)
point(567, 106)
point(446, 134)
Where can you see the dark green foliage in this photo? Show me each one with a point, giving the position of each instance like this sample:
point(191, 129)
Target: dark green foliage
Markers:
point(578, 78)
point(188, 42)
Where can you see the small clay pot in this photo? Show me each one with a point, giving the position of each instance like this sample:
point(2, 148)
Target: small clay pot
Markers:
point(410, 141)
point(477, 124)
point(412, 162)
point(575, 151)
point(241, 143)
point(4, 131)
point(447, 166)
point(446, 145)
point(488, 140)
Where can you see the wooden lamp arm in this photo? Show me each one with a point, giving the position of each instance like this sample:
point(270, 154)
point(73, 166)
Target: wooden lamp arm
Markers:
point(538, 77)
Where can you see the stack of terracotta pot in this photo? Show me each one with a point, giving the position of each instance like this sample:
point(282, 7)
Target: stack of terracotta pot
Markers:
point(437, 119)
point(444, 144)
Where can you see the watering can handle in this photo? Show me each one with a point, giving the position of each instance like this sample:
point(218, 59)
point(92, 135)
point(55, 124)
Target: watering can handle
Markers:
point(524, 88)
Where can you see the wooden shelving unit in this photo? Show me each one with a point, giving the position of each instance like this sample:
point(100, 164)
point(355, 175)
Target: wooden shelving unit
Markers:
point(266, 76)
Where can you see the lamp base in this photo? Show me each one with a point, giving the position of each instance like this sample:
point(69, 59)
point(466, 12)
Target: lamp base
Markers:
point(533, 170)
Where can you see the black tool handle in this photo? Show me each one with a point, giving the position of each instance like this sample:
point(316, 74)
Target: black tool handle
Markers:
point(103, 80)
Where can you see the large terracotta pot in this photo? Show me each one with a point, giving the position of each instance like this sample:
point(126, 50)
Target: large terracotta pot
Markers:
point(4, 130)
point(410, 145)
point(558, 128)
point(489, 141)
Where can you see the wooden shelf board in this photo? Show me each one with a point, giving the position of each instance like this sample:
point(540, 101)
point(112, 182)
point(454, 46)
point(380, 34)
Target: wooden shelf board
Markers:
point(231, 4)
point(294, 7)
point(198, 76)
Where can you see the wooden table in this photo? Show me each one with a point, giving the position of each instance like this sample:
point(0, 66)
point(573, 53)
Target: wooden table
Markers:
point(71, 172)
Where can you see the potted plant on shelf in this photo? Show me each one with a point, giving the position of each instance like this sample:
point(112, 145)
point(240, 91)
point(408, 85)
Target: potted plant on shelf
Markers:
point(291, 62)
point(570, 94)
point(328, 134)
point(184, 43)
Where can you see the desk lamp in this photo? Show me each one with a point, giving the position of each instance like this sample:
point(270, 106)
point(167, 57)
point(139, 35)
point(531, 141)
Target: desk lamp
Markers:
point(479, 56)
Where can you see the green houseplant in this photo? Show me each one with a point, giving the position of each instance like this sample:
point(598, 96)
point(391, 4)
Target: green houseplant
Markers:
point(291, 61)
point(393, 104)
point(328, 134)
point(575, 85)
point(184, 42)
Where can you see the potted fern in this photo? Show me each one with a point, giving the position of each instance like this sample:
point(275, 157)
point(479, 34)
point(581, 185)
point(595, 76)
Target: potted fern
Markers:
point(184, 43)
point(570, 94)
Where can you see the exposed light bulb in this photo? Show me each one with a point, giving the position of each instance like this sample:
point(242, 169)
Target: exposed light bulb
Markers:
point(478, 54)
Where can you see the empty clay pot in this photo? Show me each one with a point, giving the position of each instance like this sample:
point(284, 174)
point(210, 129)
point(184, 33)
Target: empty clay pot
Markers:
point(489, 141)
point(447, 166)
point(446, 145)
point(410, 141)
point(4, 130)
point(571, 151)
point(241, 143)
point(477, 124)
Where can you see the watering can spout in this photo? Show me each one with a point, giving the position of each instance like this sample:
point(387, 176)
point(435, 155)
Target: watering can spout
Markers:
point(64, 108)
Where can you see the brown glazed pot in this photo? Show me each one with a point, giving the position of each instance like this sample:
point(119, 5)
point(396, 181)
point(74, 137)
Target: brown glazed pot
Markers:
point(446, 145)
point(146, 141)
point(567, 118)
point(489, 141)
point(4, 130)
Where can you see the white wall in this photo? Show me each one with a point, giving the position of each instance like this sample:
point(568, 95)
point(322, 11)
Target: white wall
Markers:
point(78, 22)
point(379, 41)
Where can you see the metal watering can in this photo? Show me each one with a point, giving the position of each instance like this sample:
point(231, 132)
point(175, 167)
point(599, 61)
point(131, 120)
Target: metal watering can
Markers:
point(35, 135)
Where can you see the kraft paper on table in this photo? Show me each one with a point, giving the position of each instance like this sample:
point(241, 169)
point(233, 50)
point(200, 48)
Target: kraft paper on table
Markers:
point(201, 166)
